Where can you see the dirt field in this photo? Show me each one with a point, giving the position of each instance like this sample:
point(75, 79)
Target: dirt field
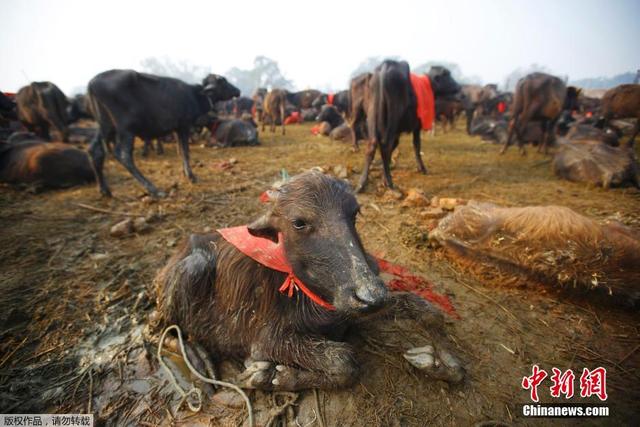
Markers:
point(74, 299)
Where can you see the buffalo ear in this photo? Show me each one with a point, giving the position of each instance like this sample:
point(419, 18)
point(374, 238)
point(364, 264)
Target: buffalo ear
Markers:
point(263, 227)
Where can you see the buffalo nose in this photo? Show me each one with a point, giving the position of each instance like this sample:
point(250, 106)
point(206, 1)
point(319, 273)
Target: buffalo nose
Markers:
point(371, 297)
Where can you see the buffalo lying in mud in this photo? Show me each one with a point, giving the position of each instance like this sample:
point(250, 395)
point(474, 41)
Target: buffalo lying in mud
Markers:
point(545, 244)
point(48, 165)
point(235, 307)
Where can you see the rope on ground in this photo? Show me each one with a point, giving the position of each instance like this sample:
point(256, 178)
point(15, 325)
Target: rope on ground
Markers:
point(196, 392)
point(289, 400)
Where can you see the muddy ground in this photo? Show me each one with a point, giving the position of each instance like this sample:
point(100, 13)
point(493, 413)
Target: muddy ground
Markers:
point(75, 299)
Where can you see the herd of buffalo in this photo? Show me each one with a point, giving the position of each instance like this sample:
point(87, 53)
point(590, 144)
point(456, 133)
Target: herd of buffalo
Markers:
point(213, 287)
point(377, 108)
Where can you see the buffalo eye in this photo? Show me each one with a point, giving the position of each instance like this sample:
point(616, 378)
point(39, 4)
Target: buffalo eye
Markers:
point(299, 224)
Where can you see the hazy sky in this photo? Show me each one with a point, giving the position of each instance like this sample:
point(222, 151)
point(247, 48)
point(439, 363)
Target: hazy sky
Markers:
point(317, 43)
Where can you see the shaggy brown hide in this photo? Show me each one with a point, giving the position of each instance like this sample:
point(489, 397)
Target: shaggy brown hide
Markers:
point(548, 244)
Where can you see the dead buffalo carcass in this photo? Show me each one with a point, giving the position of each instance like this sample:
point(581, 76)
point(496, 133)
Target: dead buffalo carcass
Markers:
point(41, 107)
point(274, 109)
point(235, 133)
point(127, 104)
point(622, 102)
point(595, 162)
point(544, 244)
point(44, 164)
point(222, 291)
point(542, 97)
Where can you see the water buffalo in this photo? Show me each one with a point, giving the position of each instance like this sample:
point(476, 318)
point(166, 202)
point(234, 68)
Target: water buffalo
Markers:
point(231, 306)
point(28, 160)
point(303, 98)
point(390, 109)
point(622, 102)
point(447, 110)
point(340, 100)
point(79, 109)
point(358, 103)
point(258, 102)
point(235, 133)
point(41, 107)
point(274, 109)
point(330, 114)
point(128, 104)
point(475, 96)
point(538, 96)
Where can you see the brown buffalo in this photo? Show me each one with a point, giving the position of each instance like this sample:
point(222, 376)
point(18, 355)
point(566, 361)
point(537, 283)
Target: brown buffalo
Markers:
point(41, 107)
point(303, 99)
point(538, 96)
point(230, 304)
point(50, 165)
point(622, 102)
point(359, 99)
point(274, 109)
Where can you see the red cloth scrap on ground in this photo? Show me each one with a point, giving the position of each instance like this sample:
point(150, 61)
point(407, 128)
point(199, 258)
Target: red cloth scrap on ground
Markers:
point(293, 118)
point(407, 282)
point(426, 110)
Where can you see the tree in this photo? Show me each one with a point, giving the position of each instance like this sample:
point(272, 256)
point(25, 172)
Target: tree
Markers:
point(265, 73)
point(182, 70)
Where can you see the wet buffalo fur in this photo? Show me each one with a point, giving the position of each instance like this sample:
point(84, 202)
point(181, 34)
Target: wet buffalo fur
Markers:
point(274, 107)
point(230, 304)
point(545, 244)
point(43, 164)
point(538, 96)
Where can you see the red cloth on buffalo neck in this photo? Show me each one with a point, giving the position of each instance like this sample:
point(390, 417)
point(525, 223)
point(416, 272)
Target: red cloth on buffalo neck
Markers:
point(330, 98)
point(424, 96)
point(271, 255)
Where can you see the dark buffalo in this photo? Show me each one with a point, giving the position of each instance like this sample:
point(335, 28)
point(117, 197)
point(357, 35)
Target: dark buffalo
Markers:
point(447, 110)
point(41, 107)
point(79, 109)
point(358, 103)
point(274, 109)
point(303, 98)
point(128, 104)
point(230, 304)
point(442, 82)
point(330, 114)
point(7, 108)
point(475, 96)
point(235, 133)
point(622, 102)
point(44, 164)
point(340, 100)
point(389, 109)
point(538, 96)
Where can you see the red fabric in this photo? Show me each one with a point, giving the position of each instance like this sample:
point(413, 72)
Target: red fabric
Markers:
point(253, 110)
point(407, 282)
point(293, 118)
point(272, 256)
point(425, 110)
point(315, 130)
point(330, 98)
point(502, 107)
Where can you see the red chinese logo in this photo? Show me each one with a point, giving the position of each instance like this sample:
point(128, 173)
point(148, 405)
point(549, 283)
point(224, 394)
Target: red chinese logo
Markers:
point(562, 383)
point(537, 376)
point(594, 383)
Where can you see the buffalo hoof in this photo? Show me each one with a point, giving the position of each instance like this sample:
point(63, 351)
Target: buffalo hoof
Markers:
point(438, 364)
point(158, 194)
point(193, 178)
point(359, 188)
point(256, 375)
point(105, 192)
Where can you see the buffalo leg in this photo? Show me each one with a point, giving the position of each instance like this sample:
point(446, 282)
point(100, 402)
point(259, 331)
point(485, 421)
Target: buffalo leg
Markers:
point(183, 148)
point(512, 128)
point(368, 159)
point(416, 149)
point(282, 114)
point(146, 147)
point(385, 153)
point(300, 363)
point(123, 152)
point(159, 146)
point(97, 155)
